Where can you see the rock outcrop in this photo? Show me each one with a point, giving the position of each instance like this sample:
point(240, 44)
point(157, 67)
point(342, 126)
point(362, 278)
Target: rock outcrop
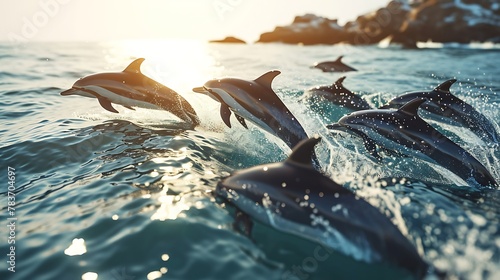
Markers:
point(230, 40)
point(308, 30)
point(461, 21)
point(404, 21)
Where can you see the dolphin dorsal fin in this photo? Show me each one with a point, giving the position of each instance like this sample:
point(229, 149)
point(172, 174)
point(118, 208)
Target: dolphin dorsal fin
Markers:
point(135, 66)
point(339, 59)
point(411, 108)
point(302, 152)
point(445, 87)
point(339, 82)
point(267, 78)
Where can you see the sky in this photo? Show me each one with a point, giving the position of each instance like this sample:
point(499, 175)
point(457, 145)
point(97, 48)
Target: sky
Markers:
point(98, 20)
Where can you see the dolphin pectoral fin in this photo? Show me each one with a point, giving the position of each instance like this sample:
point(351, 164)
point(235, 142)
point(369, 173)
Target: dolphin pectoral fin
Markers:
point(370, 146)
point(128, 107)
point(243, 223)
point(225, 114)
point(241, 120)
point(106, 104)
point(372, 149)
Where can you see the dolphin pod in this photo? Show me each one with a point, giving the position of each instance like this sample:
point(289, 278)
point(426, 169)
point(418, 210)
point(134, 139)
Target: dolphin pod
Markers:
point(404, 129)
point(255, 101)
point(292, 194)
point(130, 88)
point(442, 102)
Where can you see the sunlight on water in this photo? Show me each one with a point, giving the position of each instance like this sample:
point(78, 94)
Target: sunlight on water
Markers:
point(476, 45)
point(76, 248)
point(89, 276)
point(178, 64)
point(171, 207)
point(129, 183)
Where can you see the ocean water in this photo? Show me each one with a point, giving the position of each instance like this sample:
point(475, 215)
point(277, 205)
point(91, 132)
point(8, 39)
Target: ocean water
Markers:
point(130, 195)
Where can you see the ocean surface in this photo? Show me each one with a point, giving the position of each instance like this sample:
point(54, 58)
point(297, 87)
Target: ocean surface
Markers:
point(98, 195)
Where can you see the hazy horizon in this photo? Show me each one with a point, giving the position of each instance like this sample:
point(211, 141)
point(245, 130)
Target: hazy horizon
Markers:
point(92, 20)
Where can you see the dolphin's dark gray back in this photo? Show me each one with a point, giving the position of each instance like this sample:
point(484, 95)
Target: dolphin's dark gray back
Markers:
point(339, 95)
point(442, 102)
point(406, 128)
point(295, 191)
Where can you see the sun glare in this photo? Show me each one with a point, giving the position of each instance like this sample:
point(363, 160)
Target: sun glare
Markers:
point(179, 64)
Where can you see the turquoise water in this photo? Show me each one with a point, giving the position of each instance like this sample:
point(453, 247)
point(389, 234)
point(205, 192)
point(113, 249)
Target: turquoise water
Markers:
point(129, 195)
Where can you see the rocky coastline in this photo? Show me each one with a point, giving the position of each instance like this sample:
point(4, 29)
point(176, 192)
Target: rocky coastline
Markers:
point(404, 22)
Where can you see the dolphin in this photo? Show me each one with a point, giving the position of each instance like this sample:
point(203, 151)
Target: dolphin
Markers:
point(255, 101)
point(334, 66)
point(292, 197)
point(442, 102)
point(402, 130)
point(130, 88)
point(339, 95)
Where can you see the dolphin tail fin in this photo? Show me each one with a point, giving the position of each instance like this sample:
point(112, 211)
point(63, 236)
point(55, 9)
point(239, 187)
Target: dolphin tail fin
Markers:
point(134, 66)
point(411, 108)
point(106, 104)
point(303, 152)
point(445, 87)
point(267, 78)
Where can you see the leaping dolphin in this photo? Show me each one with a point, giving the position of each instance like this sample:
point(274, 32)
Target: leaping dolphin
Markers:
point(334, 66)
point(293, 197)
point(130, 88)
point(402, 130)
point(442, 102)
point(255, 101)
point(339, 95)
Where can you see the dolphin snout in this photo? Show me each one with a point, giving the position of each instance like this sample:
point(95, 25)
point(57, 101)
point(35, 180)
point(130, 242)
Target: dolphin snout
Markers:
point(70, 91)
point(336, 126)
point(200, 90)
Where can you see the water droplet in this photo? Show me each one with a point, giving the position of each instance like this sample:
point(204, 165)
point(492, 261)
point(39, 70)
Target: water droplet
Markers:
point(76, 248)
point(89, 276)
point(154, 275)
